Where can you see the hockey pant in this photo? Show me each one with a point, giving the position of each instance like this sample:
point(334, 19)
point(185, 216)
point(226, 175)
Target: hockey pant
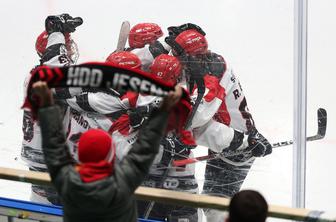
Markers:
point(44, 193)
point(33, 157)
point(224, 179)
point(167, 212)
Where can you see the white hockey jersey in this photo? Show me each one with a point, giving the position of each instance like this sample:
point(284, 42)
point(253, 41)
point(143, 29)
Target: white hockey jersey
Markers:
point(31, 152)
point(124, 136)
point(146, 56)
point(80, 122)
point(222, 110)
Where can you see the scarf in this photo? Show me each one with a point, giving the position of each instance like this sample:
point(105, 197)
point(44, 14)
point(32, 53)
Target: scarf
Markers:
point(90, 172)
point(103, 75)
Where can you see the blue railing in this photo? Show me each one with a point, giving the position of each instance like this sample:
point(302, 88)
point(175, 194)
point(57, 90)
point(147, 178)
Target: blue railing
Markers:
point(35, 211)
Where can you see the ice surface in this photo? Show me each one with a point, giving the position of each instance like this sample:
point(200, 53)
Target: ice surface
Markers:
point(255, 36)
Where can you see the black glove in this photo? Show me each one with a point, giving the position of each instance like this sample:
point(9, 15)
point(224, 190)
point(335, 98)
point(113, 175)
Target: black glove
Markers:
point(139, 115)
point(215, 64)
point(156, 49)
point(195, 68)
point(175, 148)
point(258, 144)
point(177, 49)
point(176, 30)
point(62, 23)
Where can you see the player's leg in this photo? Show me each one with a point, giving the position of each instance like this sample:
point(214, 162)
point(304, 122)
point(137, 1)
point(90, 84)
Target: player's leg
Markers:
point(44, 193)
point(224, 179)
point(167, 212)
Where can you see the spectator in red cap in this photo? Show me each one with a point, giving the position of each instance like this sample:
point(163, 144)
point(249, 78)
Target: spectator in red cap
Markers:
point(96, 154)
point(97, 189)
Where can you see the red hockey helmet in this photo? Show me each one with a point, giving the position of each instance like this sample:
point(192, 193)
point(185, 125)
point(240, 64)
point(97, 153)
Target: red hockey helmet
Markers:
point(144, 33)
point(41, 43)
point(71, 46)
point(166, 67)
point(125, 59)
point(192, 42)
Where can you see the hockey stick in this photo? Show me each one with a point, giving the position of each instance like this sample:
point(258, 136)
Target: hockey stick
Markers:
point(194, 108)
point(123, 36)
point(321, 131)
point(200, 94)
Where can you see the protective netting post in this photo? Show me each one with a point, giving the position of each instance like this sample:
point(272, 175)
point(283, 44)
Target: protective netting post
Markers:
point(300, 103)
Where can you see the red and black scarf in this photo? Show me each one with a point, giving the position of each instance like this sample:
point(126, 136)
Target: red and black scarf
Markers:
point(103, 75)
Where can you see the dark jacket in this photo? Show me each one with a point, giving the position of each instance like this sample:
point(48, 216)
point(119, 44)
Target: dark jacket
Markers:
point(110, 199)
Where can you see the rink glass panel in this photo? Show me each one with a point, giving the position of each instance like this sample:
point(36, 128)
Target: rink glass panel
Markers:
point(255, 38)
point(320, 155)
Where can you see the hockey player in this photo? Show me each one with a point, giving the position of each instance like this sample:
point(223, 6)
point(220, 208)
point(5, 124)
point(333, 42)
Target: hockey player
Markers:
point(99, 108)
point(55, 45)
point(103, 106)
point(139, 106)
point(144, 33)
point(221, 119)
point(162, 174)
point(167, 68)
point(143, 41)
point(124, 59)
point(107, 101)
point(55, 48)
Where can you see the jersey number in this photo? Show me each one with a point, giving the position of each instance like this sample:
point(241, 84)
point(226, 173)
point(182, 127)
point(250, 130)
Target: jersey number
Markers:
point(246, 114)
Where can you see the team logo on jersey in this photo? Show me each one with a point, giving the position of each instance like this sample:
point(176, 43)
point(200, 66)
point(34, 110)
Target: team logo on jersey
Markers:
point(80, 120)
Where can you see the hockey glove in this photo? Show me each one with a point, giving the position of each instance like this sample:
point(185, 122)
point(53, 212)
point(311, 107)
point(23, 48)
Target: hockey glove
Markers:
point(176, 30)
point(62, 23)
point(176, 148)
point(156, 49)
point(195, 69)
point(258, 144)
point(215, 64)
point(196, 66)
point(177, 49)
point(139, 115)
